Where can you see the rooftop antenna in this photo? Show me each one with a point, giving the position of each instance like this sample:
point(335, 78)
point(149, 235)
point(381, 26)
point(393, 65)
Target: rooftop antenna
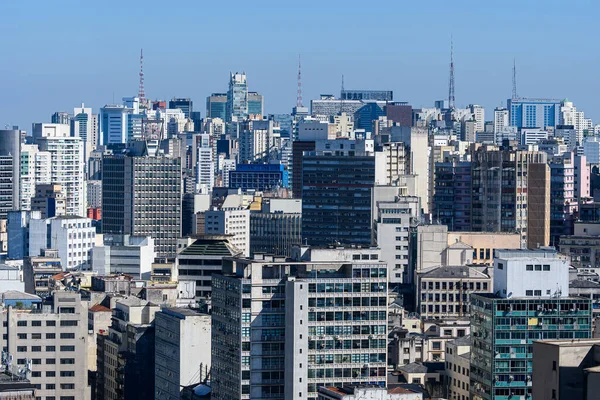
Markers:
point(342, 96)
point(299, 94)
point(514, 80)
point(451, 86)
point(141, 94)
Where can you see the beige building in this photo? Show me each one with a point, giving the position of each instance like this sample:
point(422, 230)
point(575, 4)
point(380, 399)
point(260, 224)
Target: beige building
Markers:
point(444, 292)
point(538, 206)
point(483, 244)
point(584, 250)
point(53, 338)
point(458, 363)
point(566, 369)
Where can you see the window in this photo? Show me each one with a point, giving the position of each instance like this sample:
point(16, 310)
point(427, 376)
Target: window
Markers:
point(36, 335)
point(529, 267)
point(67, 373)
point(22, 335)
point(50, 348)
point(500, 266)
point(36, 348)
point(36, 374)
point(538, 267)
point(50, 374)
point(546, 268)
point(51, 361)
point(50, 386)
point(36, 323)
point(68, 323)
point(50, 323)
point(21, 323)
point(21, 348)
point(72, 335)
point(67, 361)
point(437, 345)
point(529, 293)
point(67, 386)
point(50, 335)
point(553, 365)
point(537, 293)
point(67, 348)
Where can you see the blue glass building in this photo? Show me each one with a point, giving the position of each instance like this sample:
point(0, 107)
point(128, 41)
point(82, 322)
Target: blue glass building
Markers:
point(364, 116)
point(216, 105)
point(258, 177)
point(533, 113)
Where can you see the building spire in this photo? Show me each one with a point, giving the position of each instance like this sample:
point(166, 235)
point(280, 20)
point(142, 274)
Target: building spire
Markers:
point(299, 94)
point(141, 93)
point(451, 86)
point(514, 80)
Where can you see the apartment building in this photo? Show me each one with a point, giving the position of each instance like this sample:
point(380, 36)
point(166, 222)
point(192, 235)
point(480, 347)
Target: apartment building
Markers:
point(458, 363)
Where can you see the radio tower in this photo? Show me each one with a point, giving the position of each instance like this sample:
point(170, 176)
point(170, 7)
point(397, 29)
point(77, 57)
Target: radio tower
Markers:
point(451, 88)
point(141, 94)
point(299, 95)
point(342, 96)
point(514, 82)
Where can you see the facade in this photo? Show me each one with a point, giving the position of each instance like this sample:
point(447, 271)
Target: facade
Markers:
point(35, 170)
point(368, 393)
point(452, 196)
point(237, 97)
point(120, 123)
point(277, 227)
point(54, 338)
point(281, 346)
point(230, 221)
point(216, 106)
point(444, 292)
point(10, 169)
point(200, 257)
point(458, 363)
point(258, 177)
point(67, 161)
point(94, 194)
point(124, 254)
point(255, 104)
point(141, 196)
point(484, 244)
point(182, 350)
point(18, 233)
point(534, 113)
point(329, 106)
point(591, 149)
point(563, 205)
point(501, 119)
point(185, 105)
point(49, 200)
point(337, 186)
point(298, 149)
point(73, 237)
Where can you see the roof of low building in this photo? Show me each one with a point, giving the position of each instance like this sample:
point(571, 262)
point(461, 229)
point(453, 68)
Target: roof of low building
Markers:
point(462, 341)
point(17, 295)
point(422, 367)
point(456, 272)
point(210, 247)
point(99, 308)
point(583, 284)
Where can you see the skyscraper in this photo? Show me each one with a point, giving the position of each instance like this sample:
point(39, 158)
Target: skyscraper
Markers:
point(237, 97)
point(501, 119)
point(255, 104)
point(534, 113)
point(35, 170)
point(216, 106)
point(185, 105)
point(10, 169)
point(141, 196)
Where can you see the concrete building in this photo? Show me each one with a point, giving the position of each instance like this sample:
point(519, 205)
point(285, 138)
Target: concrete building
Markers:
point(532, 113)
point(35, 170)
point(390, 163)
point(563, 205)
point(237, 97)
point(199, 257)
point(182, 350)
point(49, 200)
point(458, 363)
point(591, 149)
point(73, 237)
point(283, 323)
point(566, 369)
point(444, 292)
point(10, 169)
point(484, 244)
point(366, 392)
point(54, 338)
point(277, 227)
point(141, 196)
point(260, 177)
point(11, 279)
point(216, 106)
point(230, 221)
point(37, 271)
point(501, 119)
point(124, 254)
point(94, 194)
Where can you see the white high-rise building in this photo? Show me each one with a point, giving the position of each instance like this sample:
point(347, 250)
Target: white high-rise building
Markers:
point(478, 116)
point(570, 116)
point(124, 254)
point(501, 119)
point(35, 170)
point(235, 221)
point(205, 170)
point(227, 165)
point(67, 169)
point(83, 122)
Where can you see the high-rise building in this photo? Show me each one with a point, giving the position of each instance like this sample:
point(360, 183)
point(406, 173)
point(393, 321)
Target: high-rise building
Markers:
point(399, 113)
point(259, 177)
point(478, 115)
point(328, 106)
point(289, 345)
point(141, 196)
point(124, 254)
point(337, 183)
point(230, 221)
point(379, 95)
point(35, 170)
point(18, 233)
point(298, 149)
point(205, 163)
point(534, 113)
point(185, 105)
point(61, 117)
point(67, 161)
point(120, 123)
point(53, 340)
point(563, 206)
point(530, 302)
point(452, 198)
point(501, 119)
point(237, 97)
point(10, 170)
point(83, 126)
point(277, 227)
point(216, 106)
point(255, 104)
point(364, 116)
point(49, 200)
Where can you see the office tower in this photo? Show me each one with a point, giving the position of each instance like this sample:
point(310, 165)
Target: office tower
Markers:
point(185, 105)
point(261, 177)
point(532, 136)
point(394, 213)
point(328, 106)
point(227, 166)
point(563, 206)
point(298, 149)
point(128, 350)
point(285, 122)
point(530, 302)
point(538, 207)
point(35, 170)
point(73, 237)
point(182, 350)
point(399, 113)
point(18, 233)
point(205, 164)
point(94, 194)
point(570, 116)
point(237, 97)
point(468, 131)
point(254, 140)
point(216, 106)
point(283, 325)
point(255, 104)
point(364, 116)
point(452, 198)
point(501, 119)
point(49, 200)
point(10, 169)
point(276, 227)
point(378, 95)
point(230, 221)
point(478, 115)
point(569, 136)
point(82, 118)
point(120, 123)
point(534, 113)
point(141, 196)
point(582, 178)
point(61, 117)
point(337, 183)
point(200, 257)
point(124, 254)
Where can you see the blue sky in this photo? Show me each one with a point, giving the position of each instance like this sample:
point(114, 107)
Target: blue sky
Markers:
point(57, 54)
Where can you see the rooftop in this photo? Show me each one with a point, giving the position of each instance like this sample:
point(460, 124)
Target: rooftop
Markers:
point(453, 272)
point(17, 295)
point(422, 367)
point(204, 246)
point(583, 284)
point(99, 308)
point(183, 312)
point(462, 341)
point(570, 342)
point(5, 267)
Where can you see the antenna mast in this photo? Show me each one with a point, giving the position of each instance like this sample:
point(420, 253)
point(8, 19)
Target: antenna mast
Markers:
point(342, 96)
point(299, 94)
point(514, 80)
point(451, 87)
point(141, 94)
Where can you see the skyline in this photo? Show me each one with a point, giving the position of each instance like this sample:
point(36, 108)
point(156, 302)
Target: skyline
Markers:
point(88, 60)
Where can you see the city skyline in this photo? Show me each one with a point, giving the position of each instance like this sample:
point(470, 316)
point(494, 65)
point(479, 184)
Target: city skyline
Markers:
point(96, 67)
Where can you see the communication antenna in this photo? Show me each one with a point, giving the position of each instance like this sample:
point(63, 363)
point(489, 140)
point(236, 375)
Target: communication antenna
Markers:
point(342, 96)
point(514, 80)
point(141, 93)
point(299, 94)
point(451, 86)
